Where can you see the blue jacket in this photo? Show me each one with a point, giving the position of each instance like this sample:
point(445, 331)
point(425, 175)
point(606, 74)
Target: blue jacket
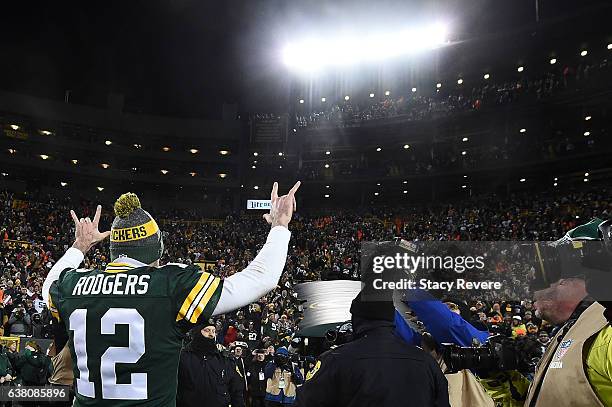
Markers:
point(444, 325)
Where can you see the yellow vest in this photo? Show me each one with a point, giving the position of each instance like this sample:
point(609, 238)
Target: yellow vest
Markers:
point(561, 371)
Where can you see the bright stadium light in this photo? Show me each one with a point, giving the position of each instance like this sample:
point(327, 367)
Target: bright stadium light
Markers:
point(108, 142)
point(353, 48)
point(323, 100)
point(464, 186)
point(584, 53)
point(371, 95)
point(100, 189)
point(406, 146)
point(44, 156)
point(413, 90)
point(586, 174)
point(438, 85)
point(326, 165)
point(610, 46)
point(301, 101)
point(326, 195)
point(459, 81)
point(405, 191)
point(14, 127)
point(486, 76)
point(327, 152)
point(465, 139)
point(347, 97)
point(520, 69)
point(387, 92)
point(378, 149)
point(553, 61)
point(587, 133)
point(587, 118)
point(522, 180)
point(522, 130)
point(63, 183)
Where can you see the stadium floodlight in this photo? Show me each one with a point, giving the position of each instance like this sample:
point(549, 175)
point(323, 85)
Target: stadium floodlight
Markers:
point(465, 176)
point(355, 48)
point(486, 76)
point(459, 81)
point(256, 187)
point(555, 184)
point(463, 152)
point(556, 179)
point(405, 182)
point(323, 100)
point(405, 191)
point(327, 186)
point(327, 152)
point(75, 162)
point(387, 92)
point(105, 165)
point(378, 184)
point(193, 174)
point(134, 168)
point(46, 132)
point(326, 165)
point(376, 194)
point(584, 53)
point(553, 61)
point(301, 101)
point(223, 152)
point(44, 156)
point(166, 149)
point(255, 154)
point(520, 69)
point(587, 133)
point(438, 85)
point(586, 180)
point(587, 118)
point(464, 186)
point(586, 174)
point(253, 167)
point(164, 172)
point(12, 151)
point(137, 146)
point(108, 142)
point(371, 95)
point(464, 139)
point(222, 175)
point(413, 90)
point(522, 180)
point(347, 97)
point(610, 46)
point(63, 183)
point(193, 151)
point(280, 154)
point(523, 130)
point(378, 149)
point(14, 127)
point(100, 189)
point(326, 195)
point(406, 146)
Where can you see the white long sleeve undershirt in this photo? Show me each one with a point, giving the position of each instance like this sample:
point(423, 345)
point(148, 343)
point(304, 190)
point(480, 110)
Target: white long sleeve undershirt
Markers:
point(256, 280)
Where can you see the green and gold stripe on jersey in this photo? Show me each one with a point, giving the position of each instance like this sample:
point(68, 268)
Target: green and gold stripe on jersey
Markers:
point(198, 298)
point(116, 267)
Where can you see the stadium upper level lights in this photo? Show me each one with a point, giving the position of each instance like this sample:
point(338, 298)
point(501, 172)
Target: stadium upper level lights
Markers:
point(355, 48)
point(347, 97)
point(610, 46)
point(301, 101)
point(46, 132)
point(486, 76)
point(371, 95)
point(553, 61)
point(438, 85)
point(256, 187)
point(587, 118)
point(323, 100)
point(464, 139)
point(44, 156)
point(223, 152)
point(459, 81)
point(378, 149)
point(166, 149)
point(327, 152)
point(406, 146)
point(413, 90)
point(222, 175)
point(193, 151)
point(587, 133)
point(14, 127)
point(100, 189)
point(523, 130)
point(63, 183)
point(108, 142)
point(387, 92)
point(584, 53)
point(255, 154)
point(520, 69)
point(75, 162)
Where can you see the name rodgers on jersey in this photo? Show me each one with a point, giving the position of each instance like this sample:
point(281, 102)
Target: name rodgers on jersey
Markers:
point(114, 284)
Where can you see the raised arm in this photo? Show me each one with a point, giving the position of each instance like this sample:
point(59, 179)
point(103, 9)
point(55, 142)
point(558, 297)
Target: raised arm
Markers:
point(263, 273)
point(86, 235)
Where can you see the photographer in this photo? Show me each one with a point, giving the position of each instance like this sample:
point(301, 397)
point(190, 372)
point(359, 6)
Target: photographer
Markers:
point(576, 369)
point(282, 376)
point(20, 322)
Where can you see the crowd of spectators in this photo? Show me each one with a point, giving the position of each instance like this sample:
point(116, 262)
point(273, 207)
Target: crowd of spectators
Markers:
point(412, 106)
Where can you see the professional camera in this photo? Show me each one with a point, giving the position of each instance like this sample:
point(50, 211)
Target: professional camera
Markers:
point(500, 353)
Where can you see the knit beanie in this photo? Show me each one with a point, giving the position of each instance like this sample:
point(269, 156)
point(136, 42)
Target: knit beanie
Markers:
point(134, 232)
point(372, 310)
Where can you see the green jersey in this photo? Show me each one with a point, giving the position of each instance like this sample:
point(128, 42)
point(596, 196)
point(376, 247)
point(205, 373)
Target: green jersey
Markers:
point(126, 324)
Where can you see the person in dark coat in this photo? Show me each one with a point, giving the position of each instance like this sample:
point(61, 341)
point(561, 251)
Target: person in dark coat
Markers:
point(207, 377)
point(376, 369)
point(256, 378)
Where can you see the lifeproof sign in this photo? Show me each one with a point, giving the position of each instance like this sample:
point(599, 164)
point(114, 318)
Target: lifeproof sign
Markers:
point(258, 204)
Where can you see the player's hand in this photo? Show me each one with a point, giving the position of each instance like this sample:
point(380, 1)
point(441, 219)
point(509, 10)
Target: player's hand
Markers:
point(86, 231)
point(281, 208)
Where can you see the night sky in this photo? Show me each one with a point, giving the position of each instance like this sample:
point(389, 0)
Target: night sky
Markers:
point(188, 57)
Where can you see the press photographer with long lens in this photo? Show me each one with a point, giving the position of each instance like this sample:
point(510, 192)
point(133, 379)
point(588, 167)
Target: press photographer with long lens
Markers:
point(576, 369)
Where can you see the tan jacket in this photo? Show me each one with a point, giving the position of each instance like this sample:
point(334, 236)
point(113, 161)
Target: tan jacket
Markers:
point(62, 368)
point(465, 391)
point(561, 371)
